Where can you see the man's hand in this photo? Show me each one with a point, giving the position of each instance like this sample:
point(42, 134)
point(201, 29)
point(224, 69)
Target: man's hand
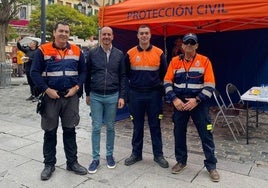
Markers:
point(72, 92)
point(179, 105)
point(52, 93)
point(88, 100)
point(190, 104)
point(121, 103)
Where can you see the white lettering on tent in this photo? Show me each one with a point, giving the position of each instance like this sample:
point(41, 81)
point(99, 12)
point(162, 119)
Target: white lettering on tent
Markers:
point(202, 9)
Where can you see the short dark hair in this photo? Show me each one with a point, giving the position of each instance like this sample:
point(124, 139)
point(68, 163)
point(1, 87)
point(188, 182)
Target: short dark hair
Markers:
point(144, 26)
point(58, 23)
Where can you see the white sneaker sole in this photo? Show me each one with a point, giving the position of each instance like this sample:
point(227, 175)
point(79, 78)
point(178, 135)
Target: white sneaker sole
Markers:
point(92, 172)
point(111, 167)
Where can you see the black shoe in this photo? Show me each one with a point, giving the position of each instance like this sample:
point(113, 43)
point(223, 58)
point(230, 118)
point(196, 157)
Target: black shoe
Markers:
point(132, 160)
point(47, 172)
point(77, 168)
point(161, 161)
point(30, 98)
point(35, 99)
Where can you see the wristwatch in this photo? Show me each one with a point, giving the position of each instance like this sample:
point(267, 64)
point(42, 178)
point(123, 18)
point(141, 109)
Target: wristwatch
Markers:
point(197, 99)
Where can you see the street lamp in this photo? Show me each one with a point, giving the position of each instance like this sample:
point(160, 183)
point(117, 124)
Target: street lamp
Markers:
point(83, 8)
point(43, 22)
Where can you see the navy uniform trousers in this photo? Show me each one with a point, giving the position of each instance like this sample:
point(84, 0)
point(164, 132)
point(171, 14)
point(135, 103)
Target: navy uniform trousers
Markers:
point(201, 119)
point(140, 103)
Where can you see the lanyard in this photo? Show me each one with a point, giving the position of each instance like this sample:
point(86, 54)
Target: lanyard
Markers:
point(187, 70)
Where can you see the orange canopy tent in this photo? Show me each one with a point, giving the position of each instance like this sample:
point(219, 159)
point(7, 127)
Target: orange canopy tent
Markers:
point(176, 17)
point(247, 19)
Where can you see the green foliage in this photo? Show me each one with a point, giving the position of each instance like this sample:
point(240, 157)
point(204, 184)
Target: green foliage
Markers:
point(81, 25)
point(11, 33)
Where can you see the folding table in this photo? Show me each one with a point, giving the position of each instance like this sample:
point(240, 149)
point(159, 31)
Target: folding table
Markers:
point(253, 95)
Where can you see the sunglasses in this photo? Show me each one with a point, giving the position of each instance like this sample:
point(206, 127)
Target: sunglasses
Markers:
point(191, 42)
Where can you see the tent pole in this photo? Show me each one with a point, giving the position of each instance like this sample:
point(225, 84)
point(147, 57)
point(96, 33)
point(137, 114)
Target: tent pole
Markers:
point(165, 40)
point(102, 19)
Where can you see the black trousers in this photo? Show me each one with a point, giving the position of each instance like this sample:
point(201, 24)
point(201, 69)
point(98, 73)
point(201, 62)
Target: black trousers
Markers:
point(33, 89)
point(70, 146)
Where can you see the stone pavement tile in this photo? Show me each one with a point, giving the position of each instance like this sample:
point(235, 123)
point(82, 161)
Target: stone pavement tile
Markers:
point(235, 167)
point(11, 143)
point(35, 151)
point(168, 152)
point(151, 180)
point(83, 145)
point(83, 132)
point(95, 184)
point(10, 160)
point(259, 172)
point(19, 129)
point(28, 175)
point(123, 176)
point(20, 121)
point(6, 183)
point(228, 179)
point(37, 136)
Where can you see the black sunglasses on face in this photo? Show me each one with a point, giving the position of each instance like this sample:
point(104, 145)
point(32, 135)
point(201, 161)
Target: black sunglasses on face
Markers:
point(191, 42)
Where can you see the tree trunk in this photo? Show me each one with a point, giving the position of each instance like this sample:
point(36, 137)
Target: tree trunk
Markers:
point(3, 31)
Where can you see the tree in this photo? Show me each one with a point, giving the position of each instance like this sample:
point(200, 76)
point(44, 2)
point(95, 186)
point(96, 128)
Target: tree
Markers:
point(80, 25)
point(8, 10)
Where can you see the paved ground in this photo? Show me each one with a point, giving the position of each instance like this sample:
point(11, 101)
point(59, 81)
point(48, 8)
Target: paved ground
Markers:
point(21, 138)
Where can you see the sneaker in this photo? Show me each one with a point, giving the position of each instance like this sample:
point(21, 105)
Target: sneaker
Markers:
point(178, 168)
point(161, 161)
point(93, 166)
point(132, 160)
point(214, 175)
point(110, 161)
point(30, 98)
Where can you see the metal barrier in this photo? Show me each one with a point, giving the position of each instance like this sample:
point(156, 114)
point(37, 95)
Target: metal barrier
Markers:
point(5, 74)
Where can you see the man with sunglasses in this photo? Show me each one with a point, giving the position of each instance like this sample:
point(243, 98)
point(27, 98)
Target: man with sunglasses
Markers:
point(189, 83)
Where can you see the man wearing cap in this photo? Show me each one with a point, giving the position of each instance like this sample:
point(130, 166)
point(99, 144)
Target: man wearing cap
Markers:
point(189, 83)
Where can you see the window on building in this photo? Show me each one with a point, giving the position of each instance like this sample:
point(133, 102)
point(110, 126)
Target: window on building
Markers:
point(23, 13)
point(50, 2)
